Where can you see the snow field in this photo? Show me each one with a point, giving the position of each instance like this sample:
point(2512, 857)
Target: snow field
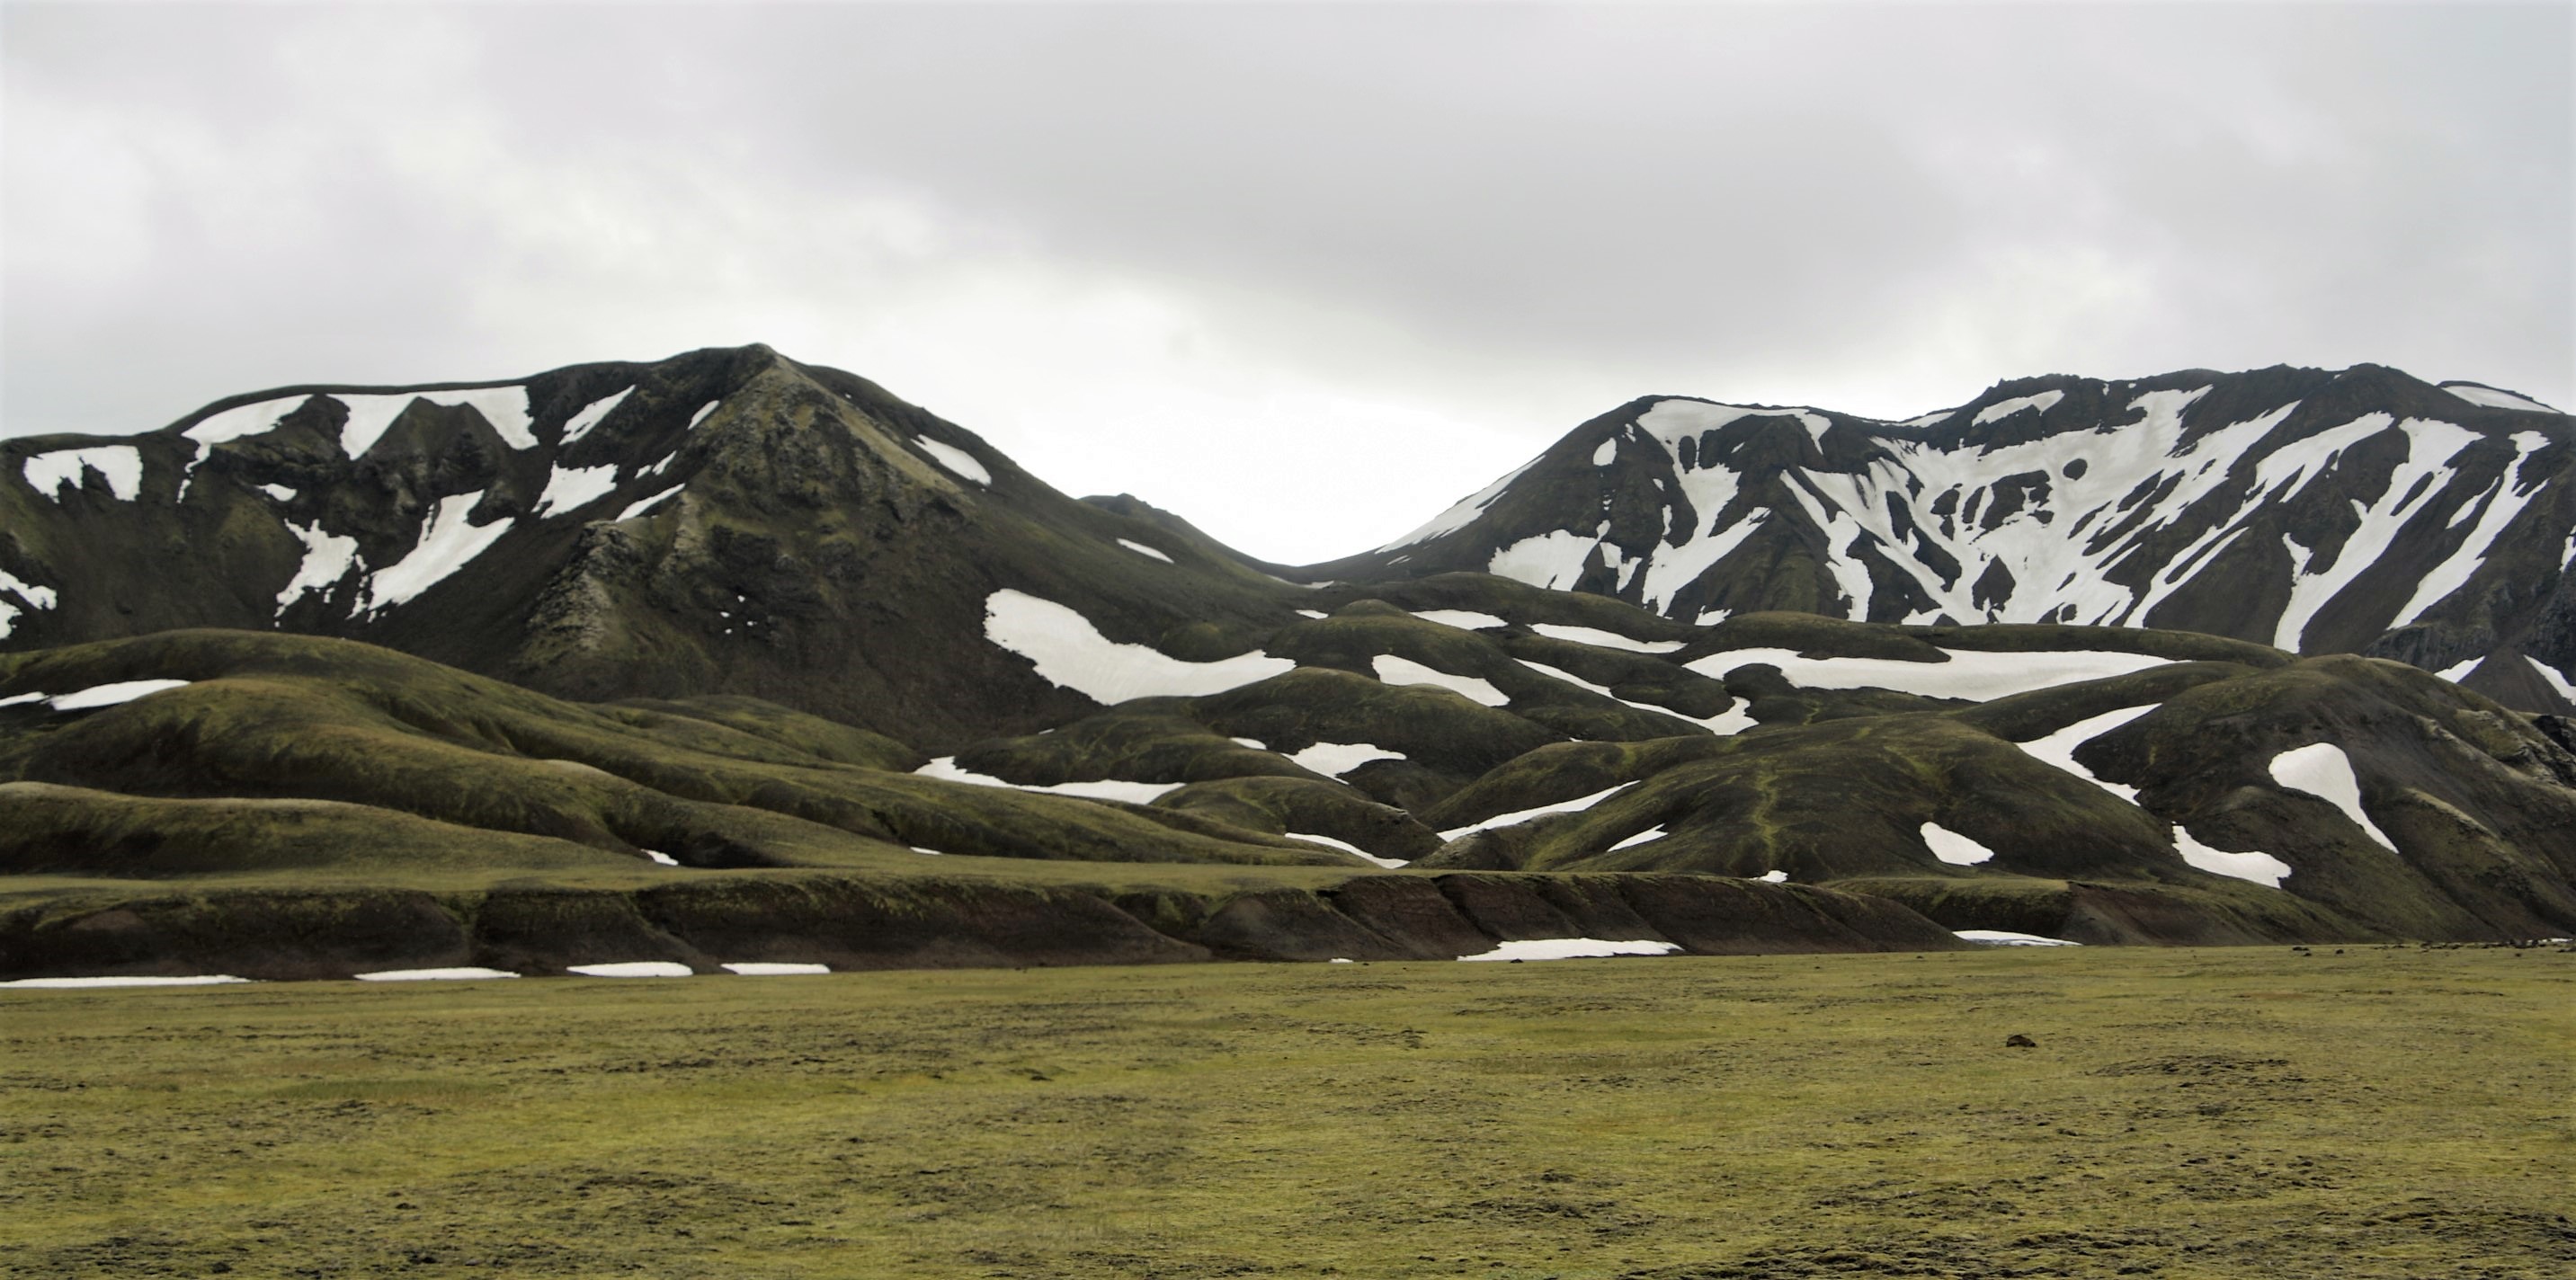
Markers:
point(1394, 670)
point(121, 465)
point(2007, 938)
point(1969, 674)
point(1071, 653)
point(1574, 949)
point(2324, 771)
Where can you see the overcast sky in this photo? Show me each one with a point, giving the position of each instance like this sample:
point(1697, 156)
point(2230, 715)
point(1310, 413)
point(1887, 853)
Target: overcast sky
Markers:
point(1302, 273)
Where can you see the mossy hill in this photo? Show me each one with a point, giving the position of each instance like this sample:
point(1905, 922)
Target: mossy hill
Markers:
point(732, 657)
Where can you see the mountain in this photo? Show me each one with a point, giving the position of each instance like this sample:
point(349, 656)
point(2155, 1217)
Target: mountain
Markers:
point(723, 521)
point(2319, 512)
point(727, 658)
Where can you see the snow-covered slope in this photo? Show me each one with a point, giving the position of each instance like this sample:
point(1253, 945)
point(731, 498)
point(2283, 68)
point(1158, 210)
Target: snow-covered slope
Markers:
point(2360, 511)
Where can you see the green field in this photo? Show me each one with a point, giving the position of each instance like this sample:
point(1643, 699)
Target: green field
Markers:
point(2218, 1113)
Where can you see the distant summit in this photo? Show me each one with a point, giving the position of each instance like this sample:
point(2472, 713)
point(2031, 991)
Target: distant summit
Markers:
point(2362, 511)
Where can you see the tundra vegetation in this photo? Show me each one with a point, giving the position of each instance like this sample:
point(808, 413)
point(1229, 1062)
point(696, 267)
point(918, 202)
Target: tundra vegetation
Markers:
point(2368, 1111)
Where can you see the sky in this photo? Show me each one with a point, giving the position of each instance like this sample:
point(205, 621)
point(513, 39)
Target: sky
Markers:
point(1303, 274)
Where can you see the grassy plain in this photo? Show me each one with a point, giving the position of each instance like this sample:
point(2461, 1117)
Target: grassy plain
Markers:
point(2224, 1113)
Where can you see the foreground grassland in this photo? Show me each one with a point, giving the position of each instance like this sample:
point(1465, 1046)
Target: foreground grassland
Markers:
point(2372, 1112)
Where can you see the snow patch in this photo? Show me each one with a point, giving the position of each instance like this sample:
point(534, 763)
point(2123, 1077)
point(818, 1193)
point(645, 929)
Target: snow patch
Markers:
point(1773, 877)
point(569, 489)
point(1517, 816)
point(958, 461)
point(772, 968)
point(327, 558)
point(946, 769)
point(1601, 638)
point(592, 413)
point(1143, 550)
point(1463, 619)
point(1650, 833)
point(35, 596)
point(1312, 613)
point(1951, 847)
point(2490, 398)
point(1970, 674)
point(2322, 770)
point(462, 973)
point(2057, 750)
point(121, 465)
point(1333, 759)
point(277, 491)
point(370, 416)
point(642, 505)
point(110, 695)
point(1351, 849)
point(1554, 560)
point(447, 544)
point(1461, 513)
point(1071, 653)
point(661, 857)
point(2261, 868)
point(1395, 670)
point(2547, 672)
point(1609, 449)
point(2044, 401)
point(1574, 949)
point(701, 414)
point(201, 980)
point(633, 969)
point(2458, 671)
point(2007, 938)
point(241, 421)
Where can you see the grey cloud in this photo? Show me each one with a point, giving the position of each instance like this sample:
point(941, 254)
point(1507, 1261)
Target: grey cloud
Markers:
point(1513, 216)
